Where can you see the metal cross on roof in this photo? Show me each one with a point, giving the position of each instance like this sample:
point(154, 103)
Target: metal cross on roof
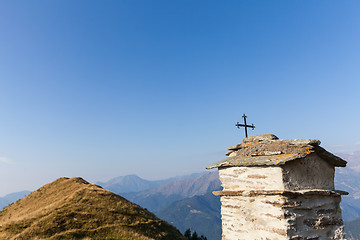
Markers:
point(238, 125)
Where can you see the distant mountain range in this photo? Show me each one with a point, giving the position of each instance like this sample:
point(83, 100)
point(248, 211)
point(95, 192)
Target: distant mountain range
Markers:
point(201, 213)
point(13, 197)
point(133, 183)
point(348, 179)
point(186, 202)
point(157, 198)
point(74, 209)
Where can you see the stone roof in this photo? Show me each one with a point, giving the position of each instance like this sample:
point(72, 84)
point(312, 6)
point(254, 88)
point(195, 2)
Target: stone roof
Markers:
point(267, 149)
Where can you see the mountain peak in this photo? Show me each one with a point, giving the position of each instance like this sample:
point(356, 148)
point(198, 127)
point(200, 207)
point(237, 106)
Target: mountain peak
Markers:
point(73, 208)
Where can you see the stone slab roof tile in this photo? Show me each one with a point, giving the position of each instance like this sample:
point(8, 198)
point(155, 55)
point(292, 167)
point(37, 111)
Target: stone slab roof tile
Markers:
point(268, 150)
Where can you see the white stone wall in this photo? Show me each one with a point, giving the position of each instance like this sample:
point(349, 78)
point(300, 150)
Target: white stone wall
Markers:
point(252, 209)
point(278, 217)
point(314, 217)
point(312, 172)
point(251, 178)
point(249, 218)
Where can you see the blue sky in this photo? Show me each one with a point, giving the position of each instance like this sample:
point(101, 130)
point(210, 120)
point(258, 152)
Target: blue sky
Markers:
point(100, 89)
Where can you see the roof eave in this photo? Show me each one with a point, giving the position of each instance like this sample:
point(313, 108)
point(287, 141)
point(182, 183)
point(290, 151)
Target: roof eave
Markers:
point(276, 160)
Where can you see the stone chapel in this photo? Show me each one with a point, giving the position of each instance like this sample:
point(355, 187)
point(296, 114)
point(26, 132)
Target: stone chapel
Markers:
point(279, 189)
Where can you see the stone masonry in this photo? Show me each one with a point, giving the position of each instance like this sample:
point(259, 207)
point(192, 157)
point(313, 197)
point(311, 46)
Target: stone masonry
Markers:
point(279, 189)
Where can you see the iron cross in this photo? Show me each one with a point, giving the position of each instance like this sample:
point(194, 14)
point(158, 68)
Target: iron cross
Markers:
point(238, 125)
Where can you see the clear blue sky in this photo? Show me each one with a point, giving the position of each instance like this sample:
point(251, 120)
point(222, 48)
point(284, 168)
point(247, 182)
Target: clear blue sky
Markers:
point(100, 89)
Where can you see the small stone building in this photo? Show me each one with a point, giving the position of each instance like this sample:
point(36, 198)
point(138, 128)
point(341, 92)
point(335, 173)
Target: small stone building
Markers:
point(279, 189)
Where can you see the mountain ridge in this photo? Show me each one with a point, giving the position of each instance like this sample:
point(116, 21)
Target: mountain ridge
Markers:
point(134, 183)
point(71, 208)
point(157, 198)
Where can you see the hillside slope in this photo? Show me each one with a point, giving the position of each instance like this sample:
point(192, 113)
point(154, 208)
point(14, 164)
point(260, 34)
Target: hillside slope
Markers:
point(352, 229)
point(199, 213)
point(74, 209)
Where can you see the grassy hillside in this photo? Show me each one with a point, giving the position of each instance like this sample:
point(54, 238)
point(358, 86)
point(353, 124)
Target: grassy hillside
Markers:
point(74, 209)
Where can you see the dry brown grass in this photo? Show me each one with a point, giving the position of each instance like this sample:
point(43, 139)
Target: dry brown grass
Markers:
point(74, 209)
